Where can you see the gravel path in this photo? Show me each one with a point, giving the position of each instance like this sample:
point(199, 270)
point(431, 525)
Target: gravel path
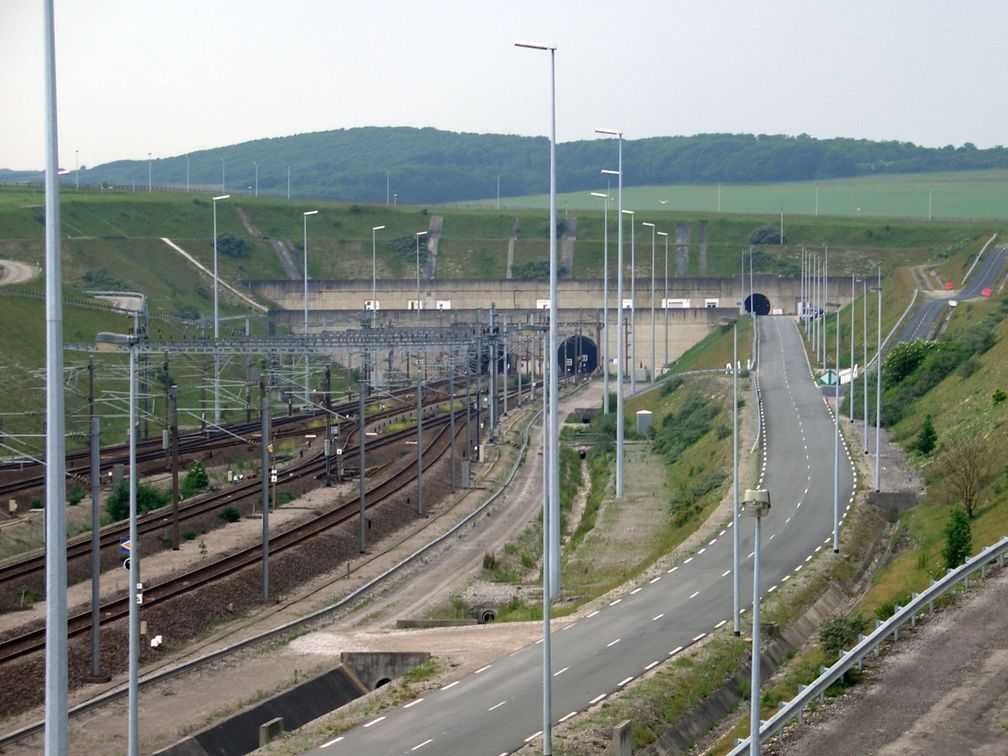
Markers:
point(944, 690)
point(14, 272)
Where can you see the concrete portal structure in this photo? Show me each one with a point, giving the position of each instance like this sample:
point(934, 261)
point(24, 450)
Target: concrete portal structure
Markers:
point(693, 308)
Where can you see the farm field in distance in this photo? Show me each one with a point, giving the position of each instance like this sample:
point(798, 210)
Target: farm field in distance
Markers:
point(954, 195)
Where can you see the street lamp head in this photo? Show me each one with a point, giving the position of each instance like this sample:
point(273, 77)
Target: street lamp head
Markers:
point(599, 194)
point(756, 501)
point(647, 223)
point(629, 212)
point(106, 341)
point(222, 197)
point(663, 233)
point(609, 132)
point(610, 172)
point(310, 212)
point(535, 45)
point(421, 233)
point(377, 228)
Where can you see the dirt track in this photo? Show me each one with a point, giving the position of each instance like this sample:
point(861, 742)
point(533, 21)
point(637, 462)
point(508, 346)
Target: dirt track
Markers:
point(13, 272)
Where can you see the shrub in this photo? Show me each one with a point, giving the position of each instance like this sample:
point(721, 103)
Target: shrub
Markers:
point(888, 609)
point(148, 499)
point(926, 438)
point(189, 535)
point(998, 396)
point(904, 358)
point(230, 513)
point(841, 632)
point(196, 479)
point(958, 538)
point(75, 496)
point(231, 246)
point(967, 368)
point(684, 427)
point(489, 561)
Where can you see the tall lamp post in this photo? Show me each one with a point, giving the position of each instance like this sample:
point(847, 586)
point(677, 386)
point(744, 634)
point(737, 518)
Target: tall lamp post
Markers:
point(665, 305)
point(605, 300)
point(216, 311)
point(374, 270)
point(149, 173)
point(757, 503)
point(551, 584)
point(633, 306)
point(305, 217)
point(418, 234)
point(255, 164)
point(55, 490)
point(113, 342)
point(652, 227)
point(620, 346)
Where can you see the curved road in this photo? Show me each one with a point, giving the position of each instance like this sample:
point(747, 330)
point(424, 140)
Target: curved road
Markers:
point(921, 323)
point(499, 707)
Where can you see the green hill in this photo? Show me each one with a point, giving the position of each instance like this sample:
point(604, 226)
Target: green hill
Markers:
point(426, 165)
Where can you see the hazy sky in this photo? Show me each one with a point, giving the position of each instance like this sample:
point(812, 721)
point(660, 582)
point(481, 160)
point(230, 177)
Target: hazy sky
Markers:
point(171, 76)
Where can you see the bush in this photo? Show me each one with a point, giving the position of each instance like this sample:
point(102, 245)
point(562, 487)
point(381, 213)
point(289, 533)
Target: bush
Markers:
point(148, 499)
point(840, 633)
point(230, 513)
point(888, 609)
point(189, 535)
point(196, 479)
point(681, 429)
point(75, 496)
point(926, 438)
point(998, 396)
point(958, 538)
point(969, 367)
point(231, 246)
point(904, 358)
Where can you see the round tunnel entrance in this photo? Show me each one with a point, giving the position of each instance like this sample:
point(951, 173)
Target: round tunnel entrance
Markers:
point(577, 354)
point(757, 303)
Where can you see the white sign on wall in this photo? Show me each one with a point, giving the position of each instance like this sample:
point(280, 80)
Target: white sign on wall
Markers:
point(414, 304)
point(444, 304)
point(542, 304)
point(372, 304)
point(711, 302)
point(676, 304)
point(627, 304)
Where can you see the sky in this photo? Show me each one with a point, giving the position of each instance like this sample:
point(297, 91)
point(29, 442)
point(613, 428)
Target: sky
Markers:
point(165, 77)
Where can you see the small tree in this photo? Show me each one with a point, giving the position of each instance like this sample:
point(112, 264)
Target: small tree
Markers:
point(958, 539)
point(966, 467)
point(926, 438)
point(148, 498)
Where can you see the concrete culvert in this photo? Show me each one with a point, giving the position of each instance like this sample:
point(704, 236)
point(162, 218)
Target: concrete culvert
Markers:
point(383, 681)
point(488, 615)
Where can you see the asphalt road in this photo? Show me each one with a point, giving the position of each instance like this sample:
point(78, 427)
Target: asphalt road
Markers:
point(921, 322)
point(498, 708)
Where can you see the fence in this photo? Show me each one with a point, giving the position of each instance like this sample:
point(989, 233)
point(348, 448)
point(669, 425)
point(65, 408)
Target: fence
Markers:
point(871, 644)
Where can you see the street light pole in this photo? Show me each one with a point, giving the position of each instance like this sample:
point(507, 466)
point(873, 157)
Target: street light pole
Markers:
point(605, 300)
point(736, 575)
point(757, 503)
point(665, 305)
point(305, 218)
point(620, 345)
point(56, 684)
point(878, 388)
point(149, 173)
point(836, 443)
point(633, 306)
point(374, 271)
point(216, 312)
point(255, 163)
point(418, 234)
point(652, 225)
point(551, 582)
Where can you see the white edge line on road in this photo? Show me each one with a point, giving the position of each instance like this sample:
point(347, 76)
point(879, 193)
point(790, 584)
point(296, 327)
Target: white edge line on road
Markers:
point(332, 742)
point(652, 581)
point(694, 594)
point(635, 590)
point(597, 698)
point(669, 572)
point(702, 551)
point(675, 651)
point(451, 685)
point(613, 603)
point(726, 573)
point(533, 736)
point(610, 644)
point(721, 624)
point(560, 672)
point(699, 637)
point(418, 746)
point(624, 681)
point(497, 705)
point(565, 717)
point(412, 703)
point(567, 627)
point(375, 721)
point(657, 617)
point(592, 614)
point(651, 665)
point(482, 669)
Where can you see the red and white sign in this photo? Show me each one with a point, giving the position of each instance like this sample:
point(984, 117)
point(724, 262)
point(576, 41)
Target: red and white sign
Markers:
point(949, 286)
point(985, 293)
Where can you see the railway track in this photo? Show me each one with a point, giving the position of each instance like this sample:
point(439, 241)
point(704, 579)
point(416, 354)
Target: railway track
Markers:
point(24, 573)
point(80, 622)
point(31, 475)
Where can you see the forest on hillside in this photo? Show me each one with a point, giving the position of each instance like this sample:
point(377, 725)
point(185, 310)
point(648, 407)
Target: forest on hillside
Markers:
point(426, 165)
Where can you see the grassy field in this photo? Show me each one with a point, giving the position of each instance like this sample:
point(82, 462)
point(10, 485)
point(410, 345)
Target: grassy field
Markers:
point(959, 195)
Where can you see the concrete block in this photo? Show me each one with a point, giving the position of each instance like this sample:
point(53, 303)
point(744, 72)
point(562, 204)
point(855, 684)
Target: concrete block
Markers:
point(270, 731)
point(620, 745)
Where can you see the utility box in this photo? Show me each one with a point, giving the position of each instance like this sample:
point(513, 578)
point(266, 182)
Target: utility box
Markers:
point(643, 422)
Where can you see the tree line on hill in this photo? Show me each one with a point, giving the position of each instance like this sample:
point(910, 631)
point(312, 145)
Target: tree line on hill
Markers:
point(426, 165)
